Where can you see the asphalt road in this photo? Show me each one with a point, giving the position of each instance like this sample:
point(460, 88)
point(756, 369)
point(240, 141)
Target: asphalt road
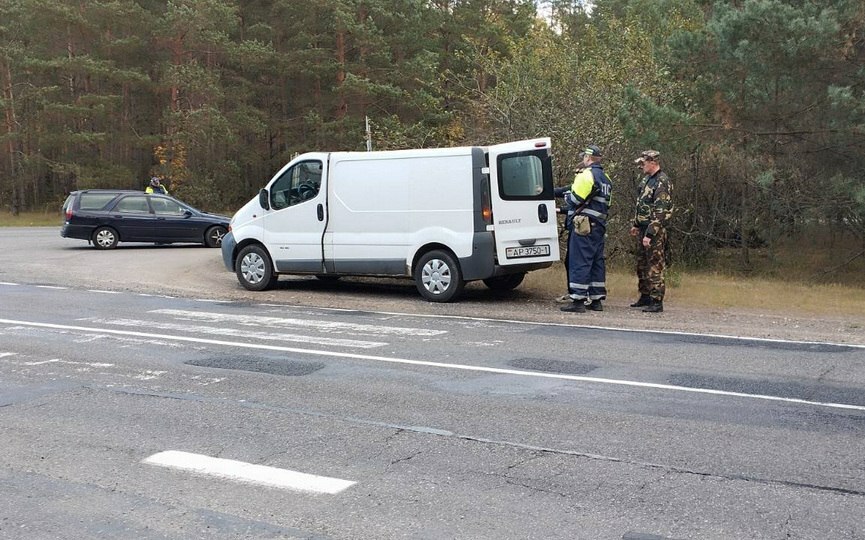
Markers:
point(430, 425)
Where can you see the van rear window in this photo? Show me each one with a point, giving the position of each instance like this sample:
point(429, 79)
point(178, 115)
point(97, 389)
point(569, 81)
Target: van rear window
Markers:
point(95, 201)
point(524, 176)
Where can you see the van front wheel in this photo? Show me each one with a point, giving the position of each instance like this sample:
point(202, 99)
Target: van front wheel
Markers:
point(254, 269)
point(438, 277)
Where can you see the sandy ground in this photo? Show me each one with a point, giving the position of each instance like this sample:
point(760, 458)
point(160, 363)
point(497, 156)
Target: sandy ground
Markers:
point(199, 272)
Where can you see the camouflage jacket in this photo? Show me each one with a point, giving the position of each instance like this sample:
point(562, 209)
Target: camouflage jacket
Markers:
point(654, 203)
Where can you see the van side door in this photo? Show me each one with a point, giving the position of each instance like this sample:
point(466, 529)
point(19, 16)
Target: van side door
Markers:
point(523, 203)
point(294, 224)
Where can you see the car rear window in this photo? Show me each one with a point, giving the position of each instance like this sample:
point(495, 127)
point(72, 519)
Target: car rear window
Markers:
point(95, 201)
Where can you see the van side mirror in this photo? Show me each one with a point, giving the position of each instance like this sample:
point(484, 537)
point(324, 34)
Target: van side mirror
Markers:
point(264, 199)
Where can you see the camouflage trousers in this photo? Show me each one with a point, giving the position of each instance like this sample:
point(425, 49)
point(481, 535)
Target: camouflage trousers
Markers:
point(651, 263)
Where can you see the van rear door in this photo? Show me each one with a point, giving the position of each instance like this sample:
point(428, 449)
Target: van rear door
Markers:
point(523, 204)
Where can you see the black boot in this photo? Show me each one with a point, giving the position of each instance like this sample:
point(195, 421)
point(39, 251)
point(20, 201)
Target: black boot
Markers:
point(577, 306)
point(596, 305)
point(656, 306)
point(644, 300)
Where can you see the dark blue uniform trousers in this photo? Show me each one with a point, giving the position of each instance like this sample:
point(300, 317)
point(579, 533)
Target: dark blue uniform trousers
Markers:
point(587, 272)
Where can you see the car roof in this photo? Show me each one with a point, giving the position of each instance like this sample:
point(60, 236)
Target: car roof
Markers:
point(106, 191)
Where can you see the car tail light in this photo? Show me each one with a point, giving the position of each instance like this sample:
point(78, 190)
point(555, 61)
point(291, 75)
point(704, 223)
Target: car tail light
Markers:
point(68, 214)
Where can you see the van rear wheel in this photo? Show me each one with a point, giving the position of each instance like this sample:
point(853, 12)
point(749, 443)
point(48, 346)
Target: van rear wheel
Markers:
point(505, 283)
point(438, 277)
point(254, 269)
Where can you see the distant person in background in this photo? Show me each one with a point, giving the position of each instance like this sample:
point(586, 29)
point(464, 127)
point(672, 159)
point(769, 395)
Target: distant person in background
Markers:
point(156, 187)
point(654, 208)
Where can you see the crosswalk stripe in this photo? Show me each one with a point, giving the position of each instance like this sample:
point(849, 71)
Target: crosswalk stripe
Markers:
point(281, 322)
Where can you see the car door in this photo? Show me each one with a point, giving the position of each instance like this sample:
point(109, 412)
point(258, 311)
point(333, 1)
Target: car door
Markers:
point(523, 203)
point(173, 222)
point(294, 224)
point(132, 218)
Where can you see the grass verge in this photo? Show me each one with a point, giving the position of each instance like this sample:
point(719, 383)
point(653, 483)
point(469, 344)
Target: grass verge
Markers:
point(31, 219)
point(713, 290)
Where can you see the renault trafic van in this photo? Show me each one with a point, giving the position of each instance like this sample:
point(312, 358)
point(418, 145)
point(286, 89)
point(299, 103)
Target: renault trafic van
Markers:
point(440, 216)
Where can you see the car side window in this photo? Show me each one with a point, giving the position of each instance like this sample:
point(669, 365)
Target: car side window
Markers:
point(165, 207)
point(133, 205)
point(95, 201)
point(300, 183)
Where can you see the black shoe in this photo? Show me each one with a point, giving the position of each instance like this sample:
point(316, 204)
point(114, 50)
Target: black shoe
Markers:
point(596, 305)
point(656, 306)
point(577, 306)
point(644, 300)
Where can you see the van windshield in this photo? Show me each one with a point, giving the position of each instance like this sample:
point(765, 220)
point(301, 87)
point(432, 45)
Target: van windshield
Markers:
point(524, 176)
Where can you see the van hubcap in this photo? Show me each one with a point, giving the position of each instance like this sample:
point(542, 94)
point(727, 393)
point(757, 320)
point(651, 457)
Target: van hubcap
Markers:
point(252, 268)
point(436, 276)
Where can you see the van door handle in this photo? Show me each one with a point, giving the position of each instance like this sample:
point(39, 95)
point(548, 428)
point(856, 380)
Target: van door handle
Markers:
point(320, 212)
point(543, 215)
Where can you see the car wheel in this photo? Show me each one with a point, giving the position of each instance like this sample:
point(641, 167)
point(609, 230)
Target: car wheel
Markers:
point(213, 236)
point(105, 238)
point(254, 269)
point(505, 283)
point(438, 277)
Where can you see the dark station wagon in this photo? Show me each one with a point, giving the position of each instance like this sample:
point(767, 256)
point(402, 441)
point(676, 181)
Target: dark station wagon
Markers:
point(105, 217)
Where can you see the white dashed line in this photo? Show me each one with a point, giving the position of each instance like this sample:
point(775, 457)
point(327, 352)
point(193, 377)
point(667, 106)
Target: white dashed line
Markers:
point(52, 287)
point(248, 473)
point(103, 292)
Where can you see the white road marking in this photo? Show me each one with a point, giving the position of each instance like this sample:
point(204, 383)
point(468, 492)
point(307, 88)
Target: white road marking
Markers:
point(280, 322)
point(9, 283)
point(248, 473)
point(100, 291)
point(233, 332)
point(59, 361)
point(5, 354)
point(51, 287)
point(462, 367)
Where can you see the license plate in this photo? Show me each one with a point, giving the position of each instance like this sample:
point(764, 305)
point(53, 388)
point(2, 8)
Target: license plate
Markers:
point(527, 251)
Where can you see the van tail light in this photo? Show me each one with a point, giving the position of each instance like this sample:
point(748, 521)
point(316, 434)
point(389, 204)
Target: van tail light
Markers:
point(486, 204)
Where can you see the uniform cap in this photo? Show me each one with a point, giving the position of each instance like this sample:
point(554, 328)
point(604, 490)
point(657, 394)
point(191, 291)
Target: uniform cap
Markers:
point(154, 181)
point(592, 150)
point(639, 161)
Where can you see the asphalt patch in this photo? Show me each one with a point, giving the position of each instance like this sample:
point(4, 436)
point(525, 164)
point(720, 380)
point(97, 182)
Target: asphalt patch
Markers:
point(552, 366)
point(792, 390)
point(271, 366)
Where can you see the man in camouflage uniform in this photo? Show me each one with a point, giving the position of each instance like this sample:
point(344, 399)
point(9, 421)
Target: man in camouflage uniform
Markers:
point(654, 208)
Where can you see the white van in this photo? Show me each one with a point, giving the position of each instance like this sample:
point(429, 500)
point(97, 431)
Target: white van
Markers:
point(441, 216)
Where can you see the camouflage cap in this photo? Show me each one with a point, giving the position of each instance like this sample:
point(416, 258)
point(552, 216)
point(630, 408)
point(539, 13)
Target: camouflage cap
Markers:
point(639, 161)
point(650, 155)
